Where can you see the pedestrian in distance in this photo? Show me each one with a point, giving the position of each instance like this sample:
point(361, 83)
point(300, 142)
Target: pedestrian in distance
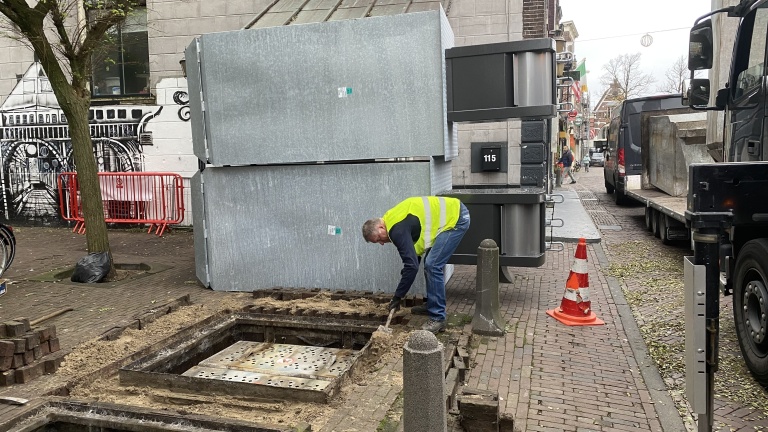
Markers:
point(425, 228)
point(585, 162)
point(567, 160)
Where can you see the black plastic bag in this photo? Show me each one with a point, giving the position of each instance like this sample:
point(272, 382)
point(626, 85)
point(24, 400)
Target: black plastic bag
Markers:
point(91, 268)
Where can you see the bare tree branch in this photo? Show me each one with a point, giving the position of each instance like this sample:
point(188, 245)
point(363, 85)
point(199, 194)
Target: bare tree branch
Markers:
point(624, 71)
point(58, 18)
point(675, 76)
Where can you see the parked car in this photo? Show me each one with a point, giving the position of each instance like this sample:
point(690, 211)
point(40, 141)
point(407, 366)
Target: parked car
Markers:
point(597, 159)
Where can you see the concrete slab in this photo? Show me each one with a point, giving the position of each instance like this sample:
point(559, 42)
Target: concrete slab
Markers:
point(576, 221)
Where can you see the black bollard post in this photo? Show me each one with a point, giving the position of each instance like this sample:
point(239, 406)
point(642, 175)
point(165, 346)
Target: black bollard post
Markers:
point(487, 320)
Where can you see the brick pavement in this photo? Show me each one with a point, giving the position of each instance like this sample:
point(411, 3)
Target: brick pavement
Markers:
point(624, 224)
point(549, 376)
point(555, 377)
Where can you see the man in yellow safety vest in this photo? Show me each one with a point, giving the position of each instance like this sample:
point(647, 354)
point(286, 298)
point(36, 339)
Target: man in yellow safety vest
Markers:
point(427, 227)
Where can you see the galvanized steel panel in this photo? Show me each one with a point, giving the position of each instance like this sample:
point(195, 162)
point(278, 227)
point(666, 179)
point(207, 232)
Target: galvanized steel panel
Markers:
point(440, 176)
point(451, 130)
point(197, 117)
point(363, 89)
point(300, 225)
point(199, 222)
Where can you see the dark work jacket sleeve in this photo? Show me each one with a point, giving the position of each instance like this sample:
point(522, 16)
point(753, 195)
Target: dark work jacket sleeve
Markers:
point(400, 235)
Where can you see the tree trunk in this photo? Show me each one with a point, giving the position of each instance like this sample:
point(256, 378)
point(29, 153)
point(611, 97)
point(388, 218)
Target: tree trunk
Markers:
point(35, 24)
point(87, 177)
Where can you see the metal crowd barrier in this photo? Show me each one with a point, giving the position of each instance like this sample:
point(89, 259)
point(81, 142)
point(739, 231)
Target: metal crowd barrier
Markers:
point(150, 198)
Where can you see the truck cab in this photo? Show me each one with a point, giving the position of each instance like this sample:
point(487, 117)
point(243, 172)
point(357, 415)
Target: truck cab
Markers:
point(745, 119)
point(729, 198)
point(744, 97)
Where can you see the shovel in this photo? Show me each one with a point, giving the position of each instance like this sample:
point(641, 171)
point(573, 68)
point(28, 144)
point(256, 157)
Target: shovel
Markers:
point(385, 328)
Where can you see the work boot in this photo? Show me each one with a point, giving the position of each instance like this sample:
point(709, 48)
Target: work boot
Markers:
point(573, 181)
point(419, 310)
point(434, 326)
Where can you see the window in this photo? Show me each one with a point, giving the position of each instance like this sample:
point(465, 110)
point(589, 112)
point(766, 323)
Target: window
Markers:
point(122, 66)
point(749, 69)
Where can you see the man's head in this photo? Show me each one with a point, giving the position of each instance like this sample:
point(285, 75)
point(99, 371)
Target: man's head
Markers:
point(565, 147)
point(375, 231)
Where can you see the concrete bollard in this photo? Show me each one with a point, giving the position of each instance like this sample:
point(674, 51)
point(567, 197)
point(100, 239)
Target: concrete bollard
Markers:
point(487, 320)
point(423, 384)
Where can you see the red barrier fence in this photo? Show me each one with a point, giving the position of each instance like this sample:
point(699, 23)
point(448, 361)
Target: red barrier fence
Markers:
point(150, 198)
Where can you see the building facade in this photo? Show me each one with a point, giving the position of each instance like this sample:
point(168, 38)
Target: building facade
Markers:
point(140, 118)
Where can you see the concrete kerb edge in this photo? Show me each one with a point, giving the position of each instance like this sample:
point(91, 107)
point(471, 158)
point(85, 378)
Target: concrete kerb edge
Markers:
point(669, 417)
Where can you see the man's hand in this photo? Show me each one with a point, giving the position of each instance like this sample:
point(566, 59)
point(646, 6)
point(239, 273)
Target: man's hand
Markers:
point(394, 303)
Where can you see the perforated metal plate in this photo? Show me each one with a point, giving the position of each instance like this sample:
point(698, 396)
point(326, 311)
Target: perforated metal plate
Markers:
point(281, 365)
point(223, 374)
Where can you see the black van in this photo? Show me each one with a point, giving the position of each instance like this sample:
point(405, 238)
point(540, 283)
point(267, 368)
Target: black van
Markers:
point(623, 159)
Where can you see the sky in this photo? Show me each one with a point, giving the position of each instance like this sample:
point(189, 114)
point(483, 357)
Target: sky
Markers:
point(608, 28)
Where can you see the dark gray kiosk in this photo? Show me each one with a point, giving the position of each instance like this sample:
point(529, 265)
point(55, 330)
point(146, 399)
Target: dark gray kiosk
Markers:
point(496, 82)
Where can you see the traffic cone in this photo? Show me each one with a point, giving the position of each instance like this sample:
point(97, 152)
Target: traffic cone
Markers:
point(576, 308)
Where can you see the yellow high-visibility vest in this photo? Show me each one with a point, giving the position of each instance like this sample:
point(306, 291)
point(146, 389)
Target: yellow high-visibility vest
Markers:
point(436, 214)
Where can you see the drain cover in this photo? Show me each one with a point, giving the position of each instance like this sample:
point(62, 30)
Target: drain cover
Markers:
point(272, 364)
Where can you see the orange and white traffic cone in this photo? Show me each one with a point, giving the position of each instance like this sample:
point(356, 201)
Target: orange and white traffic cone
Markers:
point(576, 308)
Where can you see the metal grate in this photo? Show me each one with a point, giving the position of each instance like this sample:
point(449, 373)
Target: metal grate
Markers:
point(603, 218)
point(280, 365)
point(592, 204)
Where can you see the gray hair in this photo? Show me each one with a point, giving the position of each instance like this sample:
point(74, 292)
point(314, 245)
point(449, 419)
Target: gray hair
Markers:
point(369, 228)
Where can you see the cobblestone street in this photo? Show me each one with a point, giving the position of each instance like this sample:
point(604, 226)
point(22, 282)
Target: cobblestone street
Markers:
point(651, 277)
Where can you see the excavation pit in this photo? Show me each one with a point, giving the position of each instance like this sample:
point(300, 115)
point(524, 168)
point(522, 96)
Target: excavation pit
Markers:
point(76, 416)
point(258, 356)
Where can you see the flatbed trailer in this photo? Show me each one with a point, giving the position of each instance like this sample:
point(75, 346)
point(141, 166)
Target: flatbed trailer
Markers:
point(664, 213)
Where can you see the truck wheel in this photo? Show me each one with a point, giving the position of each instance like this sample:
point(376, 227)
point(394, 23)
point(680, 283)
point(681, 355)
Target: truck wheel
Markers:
point(648, 216)
point(663, 225)
point(750, 307)
point(621, 199)
point(608, 187)
point(655, 222)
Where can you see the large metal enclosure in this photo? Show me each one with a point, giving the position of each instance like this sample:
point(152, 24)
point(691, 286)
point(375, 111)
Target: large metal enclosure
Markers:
point(334, 91)
point(299, 225)
point(275, 110)
point(306, 131)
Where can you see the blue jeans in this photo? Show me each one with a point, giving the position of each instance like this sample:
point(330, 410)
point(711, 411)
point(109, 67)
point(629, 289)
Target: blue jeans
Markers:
point(434, 264)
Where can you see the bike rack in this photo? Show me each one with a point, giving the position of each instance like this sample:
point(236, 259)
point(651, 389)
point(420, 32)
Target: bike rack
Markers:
point(553, 222)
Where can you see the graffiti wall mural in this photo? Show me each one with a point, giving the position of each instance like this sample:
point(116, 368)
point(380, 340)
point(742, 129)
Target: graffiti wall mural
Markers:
point(35, 146)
